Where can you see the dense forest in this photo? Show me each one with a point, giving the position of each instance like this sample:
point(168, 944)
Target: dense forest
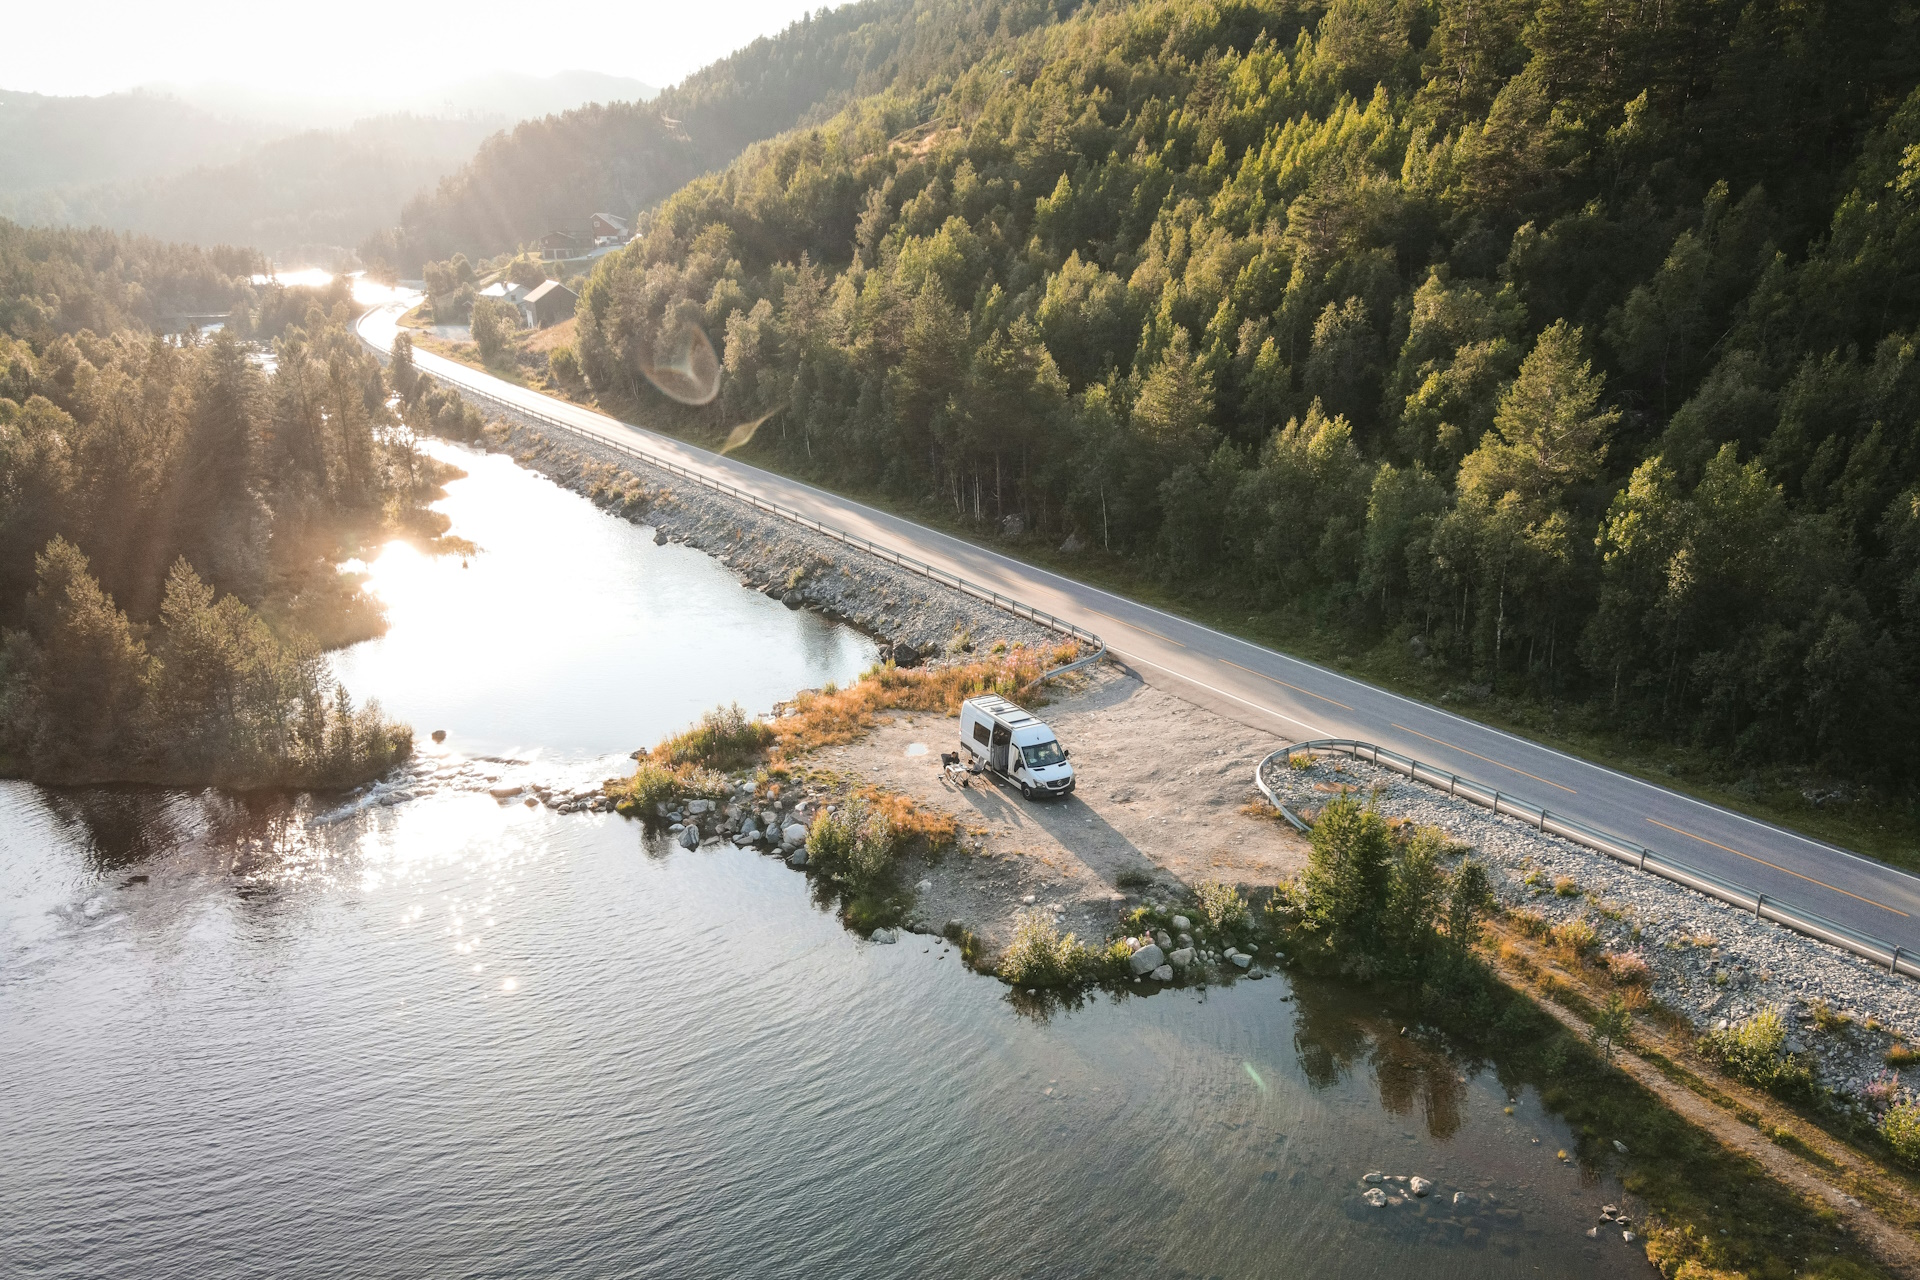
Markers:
point(171, 515)
point(553, 173)
point(1565, 347)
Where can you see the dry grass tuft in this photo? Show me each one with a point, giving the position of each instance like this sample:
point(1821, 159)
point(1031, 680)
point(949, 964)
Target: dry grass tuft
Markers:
point(911, 821)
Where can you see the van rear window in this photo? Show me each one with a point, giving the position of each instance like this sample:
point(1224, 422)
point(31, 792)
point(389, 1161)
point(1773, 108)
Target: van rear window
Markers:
point(979, 732)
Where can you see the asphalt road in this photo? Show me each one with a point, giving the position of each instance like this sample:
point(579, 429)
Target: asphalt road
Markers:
point(1299, 700)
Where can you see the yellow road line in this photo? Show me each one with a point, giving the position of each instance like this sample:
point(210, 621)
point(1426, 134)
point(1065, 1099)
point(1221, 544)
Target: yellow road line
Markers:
point(1137, 627)
point(1477, 756)
point(1777, 867)
point(1277, 680)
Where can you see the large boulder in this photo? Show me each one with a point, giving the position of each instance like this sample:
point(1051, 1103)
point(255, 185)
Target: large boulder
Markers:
point(1240, 959)
point(1182, 923)
point(1163, 974)
point(699, 806)
point(1182, 958)
point(795, 833)
point(797, 859)
point(1147, 959)
point(690, 836)
point(905, 655)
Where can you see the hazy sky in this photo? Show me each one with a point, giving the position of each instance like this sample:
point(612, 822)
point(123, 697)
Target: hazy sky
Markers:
point(364, 45)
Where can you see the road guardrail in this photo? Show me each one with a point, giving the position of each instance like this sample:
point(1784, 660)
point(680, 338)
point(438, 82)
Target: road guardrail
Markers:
point(1763, 906)
point(1009, 604)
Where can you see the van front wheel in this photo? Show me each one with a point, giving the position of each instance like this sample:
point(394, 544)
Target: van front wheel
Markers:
point(1026, 792)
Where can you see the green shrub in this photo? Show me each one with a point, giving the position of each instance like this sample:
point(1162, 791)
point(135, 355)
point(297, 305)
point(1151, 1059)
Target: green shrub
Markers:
point(1220, 905)
point(653, 784)
point(1346, 874)
point(1576, 936)
point(854, 844)
point(1755, 1051)
point(725, 738)
point(1041, 956)
point(1901, 1128)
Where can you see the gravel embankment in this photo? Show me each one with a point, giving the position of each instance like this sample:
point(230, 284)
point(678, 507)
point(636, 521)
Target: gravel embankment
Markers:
point(1709, 961)
point(786, 561)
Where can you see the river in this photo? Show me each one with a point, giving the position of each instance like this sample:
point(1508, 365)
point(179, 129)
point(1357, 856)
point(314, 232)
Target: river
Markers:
point(428, 1033)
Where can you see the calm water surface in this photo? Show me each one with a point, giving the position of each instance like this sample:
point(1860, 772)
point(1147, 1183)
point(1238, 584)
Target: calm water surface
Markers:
point(448, 1037)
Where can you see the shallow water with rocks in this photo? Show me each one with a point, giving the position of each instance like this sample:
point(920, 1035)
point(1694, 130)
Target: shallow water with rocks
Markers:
point(434, 1029)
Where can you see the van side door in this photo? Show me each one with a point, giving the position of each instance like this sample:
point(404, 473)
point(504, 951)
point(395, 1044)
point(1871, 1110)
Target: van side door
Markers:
point(1002, 736)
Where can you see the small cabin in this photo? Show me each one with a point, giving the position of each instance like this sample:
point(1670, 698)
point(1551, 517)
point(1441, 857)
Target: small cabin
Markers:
point(607, 229)
point(558, 245)
point(547, 303)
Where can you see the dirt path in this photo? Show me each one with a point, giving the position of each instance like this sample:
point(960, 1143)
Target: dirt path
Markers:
point(1894, 1246)
point(1161, 784)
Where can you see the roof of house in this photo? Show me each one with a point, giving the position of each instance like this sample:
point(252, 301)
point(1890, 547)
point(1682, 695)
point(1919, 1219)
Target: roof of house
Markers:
point(504, 289)
point(541, 290)
point(610, 218)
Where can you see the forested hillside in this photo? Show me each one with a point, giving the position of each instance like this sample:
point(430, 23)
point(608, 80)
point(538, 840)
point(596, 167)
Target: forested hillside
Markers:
point(171, 516)
point(1559, 350)
point(554, 172)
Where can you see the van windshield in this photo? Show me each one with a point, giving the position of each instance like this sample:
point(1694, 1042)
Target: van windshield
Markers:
point(1042, 754)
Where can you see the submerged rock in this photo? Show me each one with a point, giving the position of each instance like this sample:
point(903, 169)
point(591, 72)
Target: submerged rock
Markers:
point(690, 837)
point(797, 859)
point(1375, 1197)
point(1419, 1185)
point(885, 937)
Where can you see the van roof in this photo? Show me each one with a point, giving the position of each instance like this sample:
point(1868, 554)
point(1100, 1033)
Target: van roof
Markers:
point(1002, 710)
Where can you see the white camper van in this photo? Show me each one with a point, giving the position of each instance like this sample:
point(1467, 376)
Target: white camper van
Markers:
point(1004, 740)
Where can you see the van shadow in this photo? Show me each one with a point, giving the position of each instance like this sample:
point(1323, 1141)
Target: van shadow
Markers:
point(1073, 824)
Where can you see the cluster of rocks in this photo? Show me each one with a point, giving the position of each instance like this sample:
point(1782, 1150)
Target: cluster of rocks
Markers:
point(915, 617)
point(1164, 955)
point(1612, 1219)
point(426, 774)
point(1712, 963)
point(747, 818)
point(1384, 1189)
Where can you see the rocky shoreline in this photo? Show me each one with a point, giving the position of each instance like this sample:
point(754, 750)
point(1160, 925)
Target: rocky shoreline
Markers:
point(912, 616)
point(1707, 961)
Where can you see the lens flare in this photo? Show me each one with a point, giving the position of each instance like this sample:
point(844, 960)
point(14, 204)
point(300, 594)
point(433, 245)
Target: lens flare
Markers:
point(684, 366)
point(740, 435)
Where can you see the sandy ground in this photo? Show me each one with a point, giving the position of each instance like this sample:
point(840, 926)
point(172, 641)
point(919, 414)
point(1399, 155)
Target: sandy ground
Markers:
point(1160, 791)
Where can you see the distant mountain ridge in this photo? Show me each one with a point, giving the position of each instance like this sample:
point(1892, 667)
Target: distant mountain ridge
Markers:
point(503, 96)
point(553, 173)
point(299, 179)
